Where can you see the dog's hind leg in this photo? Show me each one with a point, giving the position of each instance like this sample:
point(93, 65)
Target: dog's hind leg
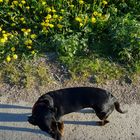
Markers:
point(103, 117)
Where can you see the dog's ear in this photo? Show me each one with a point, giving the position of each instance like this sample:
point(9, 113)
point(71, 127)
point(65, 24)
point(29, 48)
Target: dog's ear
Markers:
point(47, 99)
point(32, 120)
point(52, 109)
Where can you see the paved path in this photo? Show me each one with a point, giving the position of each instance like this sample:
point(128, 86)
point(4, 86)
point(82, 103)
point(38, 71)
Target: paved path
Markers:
point(78, 126)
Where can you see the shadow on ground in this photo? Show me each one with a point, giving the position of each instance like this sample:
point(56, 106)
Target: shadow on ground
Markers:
point(16, 117)
point(89, 123)
point(22, 117)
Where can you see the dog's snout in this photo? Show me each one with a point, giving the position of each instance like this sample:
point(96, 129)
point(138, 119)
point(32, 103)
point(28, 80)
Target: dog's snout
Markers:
point(31, 120)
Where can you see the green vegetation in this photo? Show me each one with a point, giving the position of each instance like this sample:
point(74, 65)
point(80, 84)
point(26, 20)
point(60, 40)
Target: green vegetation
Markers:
point(90, 37)
point(25, 73)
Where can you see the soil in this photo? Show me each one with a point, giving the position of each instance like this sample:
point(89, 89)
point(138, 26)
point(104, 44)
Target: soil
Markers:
point(126, 93)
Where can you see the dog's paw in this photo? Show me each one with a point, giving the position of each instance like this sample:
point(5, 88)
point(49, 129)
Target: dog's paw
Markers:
point(102, 123)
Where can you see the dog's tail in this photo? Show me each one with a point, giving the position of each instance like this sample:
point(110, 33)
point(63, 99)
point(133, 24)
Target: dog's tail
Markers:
point(117, 107)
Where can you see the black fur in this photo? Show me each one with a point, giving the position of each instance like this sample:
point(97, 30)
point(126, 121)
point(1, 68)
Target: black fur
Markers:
point(50, 107)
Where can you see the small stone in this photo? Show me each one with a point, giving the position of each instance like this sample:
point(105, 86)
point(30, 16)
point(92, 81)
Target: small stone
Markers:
point(132, 134)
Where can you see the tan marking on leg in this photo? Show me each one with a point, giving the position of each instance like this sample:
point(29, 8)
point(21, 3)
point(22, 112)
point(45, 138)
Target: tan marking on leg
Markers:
point(61, 128)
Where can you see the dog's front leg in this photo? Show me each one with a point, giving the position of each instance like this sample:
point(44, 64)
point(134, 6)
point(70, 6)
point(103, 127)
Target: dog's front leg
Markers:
point(58, 128)
point(102, 123)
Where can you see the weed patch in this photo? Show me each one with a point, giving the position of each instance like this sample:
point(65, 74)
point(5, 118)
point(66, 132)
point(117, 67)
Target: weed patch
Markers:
point(25, 73)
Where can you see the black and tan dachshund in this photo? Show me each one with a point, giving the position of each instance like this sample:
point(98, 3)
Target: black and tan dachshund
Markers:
point(50, 107)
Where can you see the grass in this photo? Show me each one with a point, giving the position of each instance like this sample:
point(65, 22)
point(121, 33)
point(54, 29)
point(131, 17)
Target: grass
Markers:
point(25, 73)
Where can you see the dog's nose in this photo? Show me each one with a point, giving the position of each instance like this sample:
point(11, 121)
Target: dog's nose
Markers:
point(31, 120)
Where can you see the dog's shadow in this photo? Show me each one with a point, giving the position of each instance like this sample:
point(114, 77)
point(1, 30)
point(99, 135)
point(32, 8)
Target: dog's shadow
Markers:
point(22, 117)
point(84, 111)
point(16, 117)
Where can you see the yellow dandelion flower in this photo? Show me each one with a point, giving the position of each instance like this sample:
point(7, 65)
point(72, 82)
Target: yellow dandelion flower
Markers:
point(22, 19)
point(27, 7)
point(0, 29)
point(44, 30)
point(15, 56)
point(2, 40)
point(78, 19)
point(1, 1)
point(26, 31)
point(51, 25)
point(5, 38)
point(55, 16)
point(23, 1)
point(104, 2)
point(27, 42)
point(93, 20)
point(62, 10)
point(59, 26)
point(3, 32)
point(44, 3)
point(81, 24)
point(29, 47)
point(60, 18)
point(53, 10)
point(5, 35)
point(33, 52)
point(8, 58)
point(43, 23)
point(48, 16)
point(81, 2)
point(13, 49)
point(46, 24)
point(12, 6)
point(71, 6)
point(15, 2)
point(24, 22)
point(95, 13)
point(9, 34)
point(13, 24)
point(48, 9)
point(33, 36)
point(47, 20)
point(20, 5)
point(23, 30)
point(99, 14)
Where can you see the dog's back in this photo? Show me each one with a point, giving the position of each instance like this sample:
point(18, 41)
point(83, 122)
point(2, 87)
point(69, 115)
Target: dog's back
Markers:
point(73, 99)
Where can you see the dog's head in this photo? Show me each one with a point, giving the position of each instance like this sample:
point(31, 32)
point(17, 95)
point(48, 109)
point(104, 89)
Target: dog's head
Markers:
point(43, 114)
